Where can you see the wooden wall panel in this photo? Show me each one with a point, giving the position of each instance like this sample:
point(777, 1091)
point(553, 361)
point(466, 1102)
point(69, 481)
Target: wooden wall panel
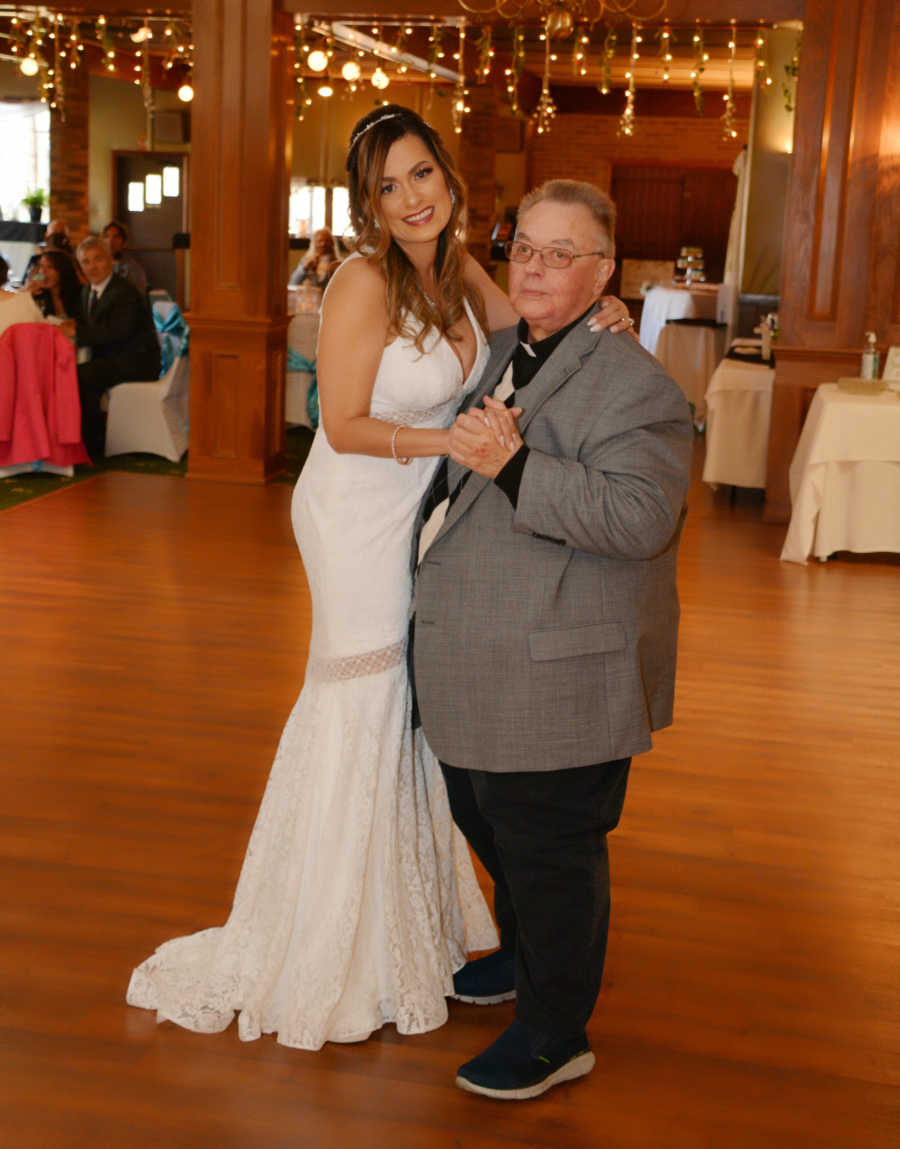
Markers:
point(883, 311)
point(663, 208)
point(832, 175)
point(842, 266)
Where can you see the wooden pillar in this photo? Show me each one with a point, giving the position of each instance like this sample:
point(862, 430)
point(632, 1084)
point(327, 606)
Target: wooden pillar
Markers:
point(240, 178)
point(69, 181)
point(841, 263)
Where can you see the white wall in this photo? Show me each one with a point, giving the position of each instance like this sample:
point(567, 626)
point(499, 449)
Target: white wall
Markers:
point(118, 123)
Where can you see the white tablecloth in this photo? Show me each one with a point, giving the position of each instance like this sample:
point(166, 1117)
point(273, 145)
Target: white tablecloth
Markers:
point(301, 337)
point(845, 476)
point(664, 303)
point(690, 353)
point(738, 410)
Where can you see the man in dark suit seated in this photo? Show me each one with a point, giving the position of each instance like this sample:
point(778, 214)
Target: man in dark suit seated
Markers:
point(118, 329)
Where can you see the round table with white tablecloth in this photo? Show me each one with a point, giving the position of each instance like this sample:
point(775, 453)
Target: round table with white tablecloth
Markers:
point(738, 412)
point(845, 476)
point(690, 350)
point(664, 303)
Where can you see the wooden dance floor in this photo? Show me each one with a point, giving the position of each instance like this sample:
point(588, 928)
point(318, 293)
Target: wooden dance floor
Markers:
point(154, 638)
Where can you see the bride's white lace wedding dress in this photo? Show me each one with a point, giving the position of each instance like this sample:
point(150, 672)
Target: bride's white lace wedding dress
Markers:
point(357, 899)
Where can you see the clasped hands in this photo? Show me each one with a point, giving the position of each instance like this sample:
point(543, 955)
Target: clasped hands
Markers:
point(484, 439)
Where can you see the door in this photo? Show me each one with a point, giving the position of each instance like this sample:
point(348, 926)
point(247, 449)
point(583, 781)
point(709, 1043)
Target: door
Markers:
point(664, 208)
point(154, 210)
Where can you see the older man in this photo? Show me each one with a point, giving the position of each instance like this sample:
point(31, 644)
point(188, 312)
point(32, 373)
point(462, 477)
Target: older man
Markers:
point(118, 328)
point(546, 624)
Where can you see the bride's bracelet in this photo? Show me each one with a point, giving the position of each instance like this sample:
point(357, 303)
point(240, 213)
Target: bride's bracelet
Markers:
point(401, 459)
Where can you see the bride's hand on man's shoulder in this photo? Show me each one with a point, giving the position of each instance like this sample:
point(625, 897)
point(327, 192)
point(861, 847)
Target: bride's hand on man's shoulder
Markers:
point(613, 315)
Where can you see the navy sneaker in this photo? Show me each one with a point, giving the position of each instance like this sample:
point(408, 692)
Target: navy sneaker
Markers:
point(524, 1063)
point(487, 980)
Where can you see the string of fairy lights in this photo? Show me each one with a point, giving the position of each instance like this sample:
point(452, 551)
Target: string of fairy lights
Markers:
point(593, 47)
point(50, 46)
point(331, 59)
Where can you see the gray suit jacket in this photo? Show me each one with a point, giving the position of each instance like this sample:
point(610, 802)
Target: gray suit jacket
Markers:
point(545, 637)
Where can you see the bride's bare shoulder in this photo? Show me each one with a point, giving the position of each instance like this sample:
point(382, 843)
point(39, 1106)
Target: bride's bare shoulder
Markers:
point(357, 281)
point(356, 302)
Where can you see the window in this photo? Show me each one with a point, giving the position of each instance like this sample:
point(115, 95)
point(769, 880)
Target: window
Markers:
point(25, 131)
point(313, 206)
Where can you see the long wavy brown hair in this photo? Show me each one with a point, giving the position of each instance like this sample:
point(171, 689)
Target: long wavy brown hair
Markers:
point(410, 312)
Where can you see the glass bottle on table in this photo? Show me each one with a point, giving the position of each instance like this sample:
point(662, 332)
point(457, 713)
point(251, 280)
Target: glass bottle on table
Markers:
point(869, 366)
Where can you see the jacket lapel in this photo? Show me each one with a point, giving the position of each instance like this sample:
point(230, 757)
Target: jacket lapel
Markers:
point(103, 303)
point(565, 361)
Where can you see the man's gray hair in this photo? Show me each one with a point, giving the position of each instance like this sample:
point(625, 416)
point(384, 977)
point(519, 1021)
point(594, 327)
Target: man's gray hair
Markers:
point(590, 196)
point(91, 241)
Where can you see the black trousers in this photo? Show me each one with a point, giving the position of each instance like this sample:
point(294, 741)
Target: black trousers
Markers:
point(542, 838)
point(95, 378)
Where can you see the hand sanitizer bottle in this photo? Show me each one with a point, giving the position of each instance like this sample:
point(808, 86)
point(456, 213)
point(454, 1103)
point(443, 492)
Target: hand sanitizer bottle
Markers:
point(869, 367)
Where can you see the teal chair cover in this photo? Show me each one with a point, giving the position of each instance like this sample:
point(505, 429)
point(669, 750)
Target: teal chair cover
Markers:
point(298, 362)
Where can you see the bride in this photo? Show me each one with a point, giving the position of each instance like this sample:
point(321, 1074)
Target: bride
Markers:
point(357, 900)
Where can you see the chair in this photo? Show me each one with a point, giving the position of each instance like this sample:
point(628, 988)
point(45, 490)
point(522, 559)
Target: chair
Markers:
point(301, 369)
point(153, 417)
point(40, 416)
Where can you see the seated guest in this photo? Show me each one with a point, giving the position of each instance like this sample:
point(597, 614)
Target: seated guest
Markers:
point(319, 263)
point(56, 236)
point(118, 328)
point(56, 286)
point(124, 263)
point(15, 306)
point(59, 241)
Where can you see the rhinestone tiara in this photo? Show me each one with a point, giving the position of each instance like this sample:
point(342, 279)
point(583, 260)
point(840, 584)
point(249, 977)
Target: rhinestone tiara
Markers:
point(359, 135)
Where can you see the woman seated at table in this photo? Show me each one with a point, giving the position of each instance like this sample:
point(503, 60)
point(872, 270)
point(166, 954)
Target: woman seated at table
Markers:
point(56, 287)
point(15, 306)
point(319, 263)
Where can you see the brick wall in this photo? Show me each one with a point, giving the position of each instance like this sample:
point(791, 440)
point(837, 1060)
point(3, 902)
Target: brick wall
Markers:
point(585, 147)
point(69, 156)
point(476, 164)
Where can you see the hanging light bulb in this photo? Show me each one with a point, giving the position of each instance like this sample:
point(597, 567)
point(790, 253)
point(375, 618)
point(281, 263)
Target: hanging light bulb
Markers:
point(29, 66)
point(325, 91)
point(380, 79)
point(185, 93)
point(351, 71)
point(317, 60)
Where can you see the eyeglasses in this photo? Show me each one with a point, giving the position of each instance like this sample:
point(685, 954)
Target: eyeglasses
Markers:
point(556, 257)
